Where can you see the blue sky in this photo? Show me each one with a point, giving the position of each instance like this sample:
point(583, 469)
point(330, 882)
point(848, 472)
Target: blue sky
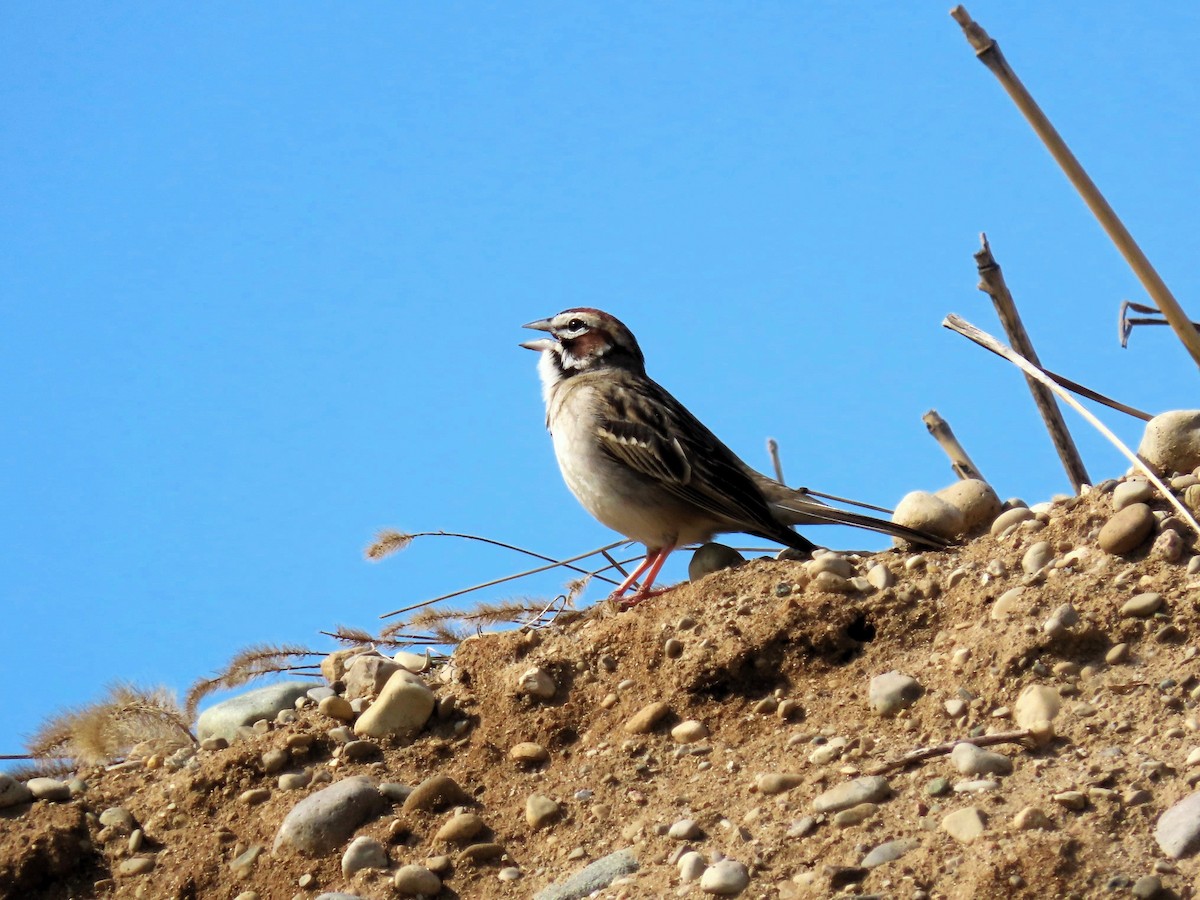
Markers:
point(266, 265)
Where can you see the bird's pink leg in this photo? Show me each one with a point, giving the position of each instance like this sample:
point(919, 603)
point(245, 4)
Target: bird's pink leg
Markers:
point(625, 585)
point(655, 563)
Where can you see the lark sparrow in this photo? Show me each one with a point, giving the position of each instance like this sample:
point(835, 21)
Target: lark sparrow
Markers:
point(646, 467)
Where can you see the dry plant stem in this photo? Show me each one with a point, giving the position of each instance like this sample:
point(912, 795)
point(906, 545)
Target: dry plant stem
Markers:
point(507, 546)
point(967, 330)
point(553, 565)
point(836, 499)
point(773, 452)
point(923, 753)
point(988, 52)
point(991, 281)
point(1077, 388)
point(959, 461)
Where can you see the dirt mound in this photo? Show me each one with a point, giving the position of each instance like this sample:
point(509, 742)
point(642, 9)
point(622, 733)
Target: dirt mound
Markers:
point(776, 672)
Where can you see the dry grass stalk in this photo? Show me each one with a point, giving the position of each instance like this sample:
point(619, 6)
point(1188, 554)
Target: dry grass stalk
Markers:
point(106, 730)
point(966, 329)
point(776, 464)
point(991, 282)
point(942, 433)
point(250, 663)
point(988, 52)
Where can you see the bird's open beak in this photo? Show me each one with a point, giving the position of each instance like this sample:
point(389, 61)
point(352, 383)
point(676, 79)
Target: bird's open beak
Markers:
point(541, 343)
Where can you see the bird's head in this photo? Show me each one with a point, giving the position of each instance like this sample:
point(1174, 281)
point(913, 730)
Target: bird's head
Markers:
point(583, 340)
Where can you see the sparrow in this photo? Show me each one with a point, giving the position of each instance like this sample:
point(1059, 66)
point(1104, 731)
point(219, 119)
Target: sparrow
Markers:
point(644, 466)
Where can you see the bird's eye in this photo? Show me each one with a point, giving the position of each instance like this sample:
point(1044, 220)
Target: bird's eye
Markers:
point(576, 325)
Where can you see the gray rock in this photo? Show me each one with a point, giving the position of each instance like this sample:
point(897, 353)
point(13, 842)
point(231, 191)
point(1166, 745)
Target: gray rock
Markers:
point(118, 818)
point(1141, 605)
point(1008, 519)
point(868, 789)
point(888, 852)
point(367, 673)
point(1178, 829)
point(364, 853)
point(964, 825)
point(412, 880)
point(1126, 530)
point(1171, 442)
point(684, 830)
point(975, 500)
point(48, 789)
point(323, 821)
point(1147, 887)
point(927, 512)
point(725, 878)
point(972, 760)
point(712, 557)
point(404, 706)
point(13, 792)
point(226, 719)
point(1127, 493)
point(892, 691)
point(1037, 557)
point(594, 877)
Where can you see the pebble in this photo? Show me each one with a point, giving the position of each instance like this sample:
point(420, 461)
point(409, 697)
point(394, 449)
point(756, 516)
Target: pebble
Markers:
point(1135, 490)
point(357, 751)
point(481, 852)
point(1178, 829)
point(777, 782)
point(294, 781)
point(689, 732)
point(1168, 547)
point(955, 708)
point(254, 796)
point(541, 811)
point(411, 880)
point(725, 878)
point(138, 865)
point(436, 791)
point(1036, 703)
point(1031, 818)
point(1072, 800)
point(274, 761)
point(1126, 530)
point(1147, 887)
point(1171, 441)
point(1008, 519)
point(50, 789)
point(868, 789)
point(227, 718)
point(712, 557)
point(1011, 602)
point(889, 852)
point(536, 682)
point(1118, 653)
point(402, 709)
point(460, 828)
point(691, 866)
point(975, 500)
point(976, 786)
point(1140, 606)
point(394, 791)
point(364, 853)
point(414, 662)
point(336, 708)
point(592, 878)
point(529, 753)
point(855, 815)
point(119, 819)
point(880, 577)
point(965, 825)
point(1037, 557)
point(833, 563)
point(971, 760)
point(893, 691)
point(928, 512)
point(684, 830)
point(644, 720)
point(509, 873)
point(367, 674)
point(937, 787)
point(324, 820)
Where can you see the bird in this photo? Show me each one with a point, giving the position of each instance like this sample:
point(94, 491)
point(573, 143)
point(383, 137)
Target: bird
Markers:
point(643, 465)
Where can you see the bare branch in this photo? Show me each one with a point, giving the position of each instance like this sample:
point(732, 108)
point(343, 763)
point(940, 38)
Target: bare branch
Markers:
point(959, 461)
point(923, 753)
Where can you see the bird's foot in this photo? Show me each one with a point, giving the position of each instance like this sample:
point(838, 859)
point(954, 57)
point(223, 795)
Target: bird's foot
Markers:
point(637, 597)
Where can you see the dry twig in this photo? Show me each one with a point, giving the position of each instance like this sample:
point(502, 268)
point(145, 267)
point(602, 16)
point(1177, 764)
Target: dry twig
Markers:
point(923, 753)
point(988, 52)
point(959, 461)
point(991, 282)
